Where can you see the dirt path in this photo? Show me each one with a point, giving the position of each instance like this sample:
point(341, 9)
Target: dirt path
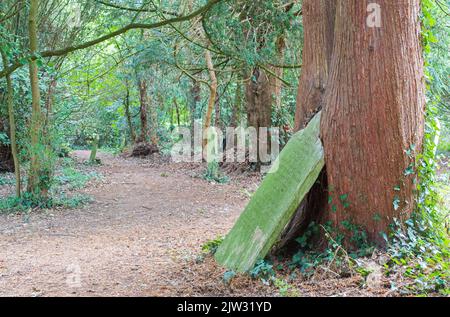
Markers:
point(145, 222)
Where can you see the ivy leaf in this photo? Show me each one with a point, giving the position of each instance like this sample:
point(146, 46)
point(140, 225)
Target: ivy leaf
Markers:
point(385, 237)
point(228, 276)
point(396, 203)
point(409, 170)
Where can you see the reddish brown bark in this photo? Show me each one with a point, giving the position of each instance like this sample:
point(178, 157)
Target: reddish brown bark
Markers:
point(373, 113)
point(259, 99)
point(318, 26)
point(318, 22)
point(275, 81)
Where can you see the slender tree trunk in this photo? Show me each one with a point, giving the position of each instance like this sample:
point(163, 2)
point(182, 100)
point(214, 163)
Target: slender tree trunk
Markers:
point(237, 109)
point(373, 114)
point(38, 176)
point(94, 148)
point(12, 126)
point(193, 105)
point(49, 99)
point(276, 82)
point(128, 114)
point(143, 111)
point(172, 110)
point(217, 114)
point(153, 111)
point(213, 94)
point(177, 110)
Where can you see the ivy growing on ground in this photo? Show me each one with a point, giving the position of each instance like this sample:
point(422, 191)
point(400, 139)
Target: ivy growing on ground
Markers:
point(421, 245)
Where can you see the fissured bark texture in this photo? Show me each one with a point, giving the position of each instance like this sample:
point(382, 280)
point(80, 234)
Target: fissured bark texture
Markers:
point(318, 28)
point(318, 21)
point(373, 113)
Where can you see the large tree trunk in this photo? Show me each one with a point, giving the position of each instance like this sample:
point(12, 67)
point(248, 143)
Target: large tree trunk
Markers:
point(318, 23)
point(259, 98)
point(318, 26)
point(276, 81)
point(373, 114)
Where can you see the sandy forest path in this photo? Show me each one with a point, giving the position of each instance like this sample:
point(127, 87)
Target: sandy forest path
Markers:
point(144, 223)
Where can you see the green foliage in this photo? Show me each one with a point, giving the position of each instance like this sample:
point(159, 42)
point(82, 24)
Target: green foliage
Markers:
point(6, 181)
point(284, 288)
point(4, 139)
point(444, 144)
point(67, 178)
point(250, 37)
point(420, 247)
point(228, 276)
point(340, 252)
point(211, 246)
point(63, 150)
point(29, 202)
point(263, 270)
point(71, 178)
point(213, 174)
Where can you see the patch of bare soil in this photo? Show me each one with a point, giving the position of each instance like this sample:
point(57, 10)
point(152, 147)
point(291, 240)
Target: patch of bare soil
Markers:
point(141, 236)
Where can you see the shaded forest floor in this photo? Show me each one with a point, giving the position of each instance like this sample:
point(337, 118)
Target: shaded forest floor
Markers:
point(140, 236)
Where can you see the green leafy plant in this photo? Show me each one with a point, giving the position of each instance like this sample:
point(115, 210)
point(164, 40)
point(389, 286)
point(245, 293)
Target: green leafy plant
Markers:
point(4, 139)
point(6, 181)
point(263, 270)
point(334, 256)
point(29, 202)
point(285, 289)
point(211, 246)
point(228, 277)
point(73, 178)
point(213, 174)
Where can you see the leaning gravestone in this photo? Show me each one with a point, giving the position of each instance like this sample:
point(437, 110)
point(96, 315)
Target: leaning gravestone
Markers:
point(275, 202)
